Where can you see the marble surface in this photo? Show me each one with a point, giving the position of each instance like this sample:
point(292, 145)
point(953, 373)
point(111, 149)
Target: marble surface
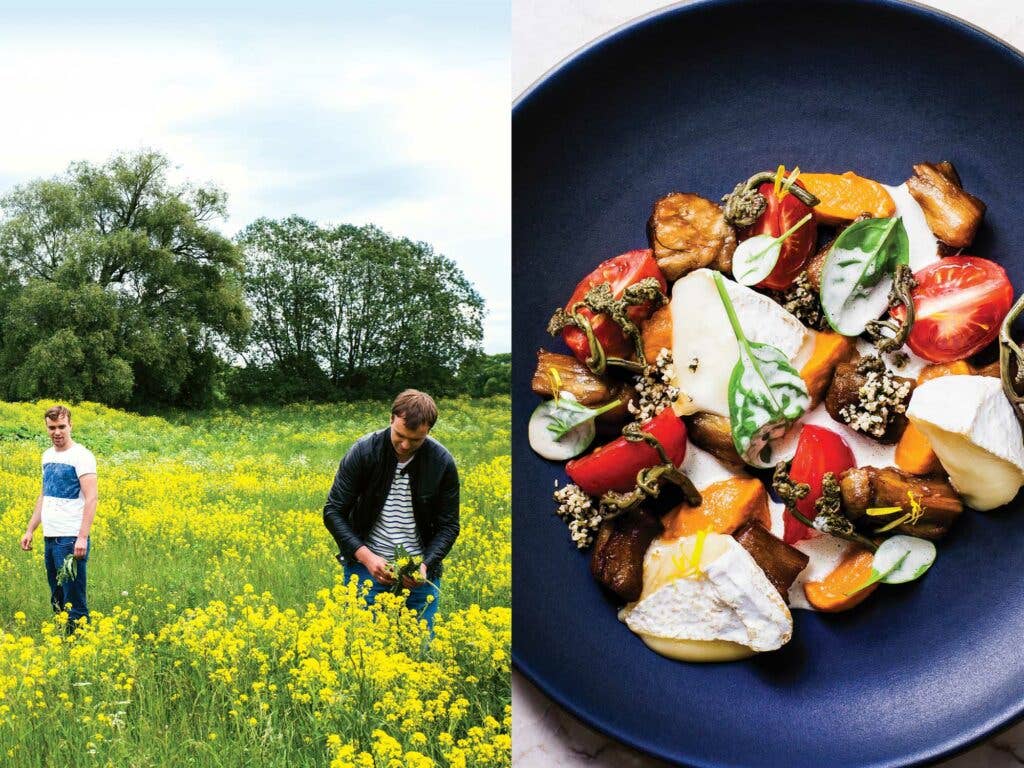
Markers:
point(543, 33)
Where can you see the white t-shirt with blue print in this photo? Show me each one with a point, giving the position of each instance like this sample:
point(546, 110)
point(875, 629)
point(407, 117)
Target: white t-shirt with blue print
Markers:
point(63, 500)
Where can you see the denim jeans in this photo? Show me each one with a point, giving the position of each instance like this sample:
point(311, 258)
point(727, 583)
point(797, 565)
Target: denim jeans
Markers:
point(57, 548)
point(417, 599)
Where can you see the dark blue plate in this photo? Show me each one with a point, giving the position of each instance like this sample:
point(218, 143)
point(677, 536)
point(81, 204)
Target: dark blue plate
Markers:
point(695, 99)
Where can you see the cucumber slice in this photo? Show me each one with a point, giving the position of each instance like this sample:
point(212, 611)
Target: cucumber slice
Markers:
point(543, 440)
point(903, 558)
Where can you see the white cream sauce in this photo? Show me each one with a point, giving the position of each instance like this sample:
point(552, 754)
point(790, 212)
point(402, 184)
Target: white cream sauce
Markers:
point(924, 248)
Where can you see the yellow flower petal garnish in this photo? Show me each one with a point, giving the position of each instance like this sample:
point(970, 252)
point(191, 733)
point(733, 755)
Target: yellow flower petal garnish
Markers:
point(879, 511)
point(789, 181)
point(915, 508)
point(689, 567)
point(779, 173)
point(556, 382)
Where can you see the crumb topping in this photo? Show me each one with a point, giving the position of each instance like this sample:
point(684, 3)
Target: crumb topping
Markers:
point(654, 386)
point(801, 301)
point(579, 513)
point(881, 398)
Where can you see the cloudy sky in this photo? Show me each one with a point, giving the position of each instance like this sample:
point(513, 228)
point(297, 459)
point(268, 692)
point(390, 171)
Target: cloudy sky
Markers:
point(394, 113)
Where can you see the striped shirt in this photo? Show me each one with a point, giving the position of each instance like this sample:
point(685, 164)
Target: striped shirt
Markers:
point(396, 524)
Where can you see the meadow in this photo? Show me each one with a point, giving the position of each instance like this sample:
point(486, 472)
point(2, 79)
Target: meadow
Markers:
point(223, 632)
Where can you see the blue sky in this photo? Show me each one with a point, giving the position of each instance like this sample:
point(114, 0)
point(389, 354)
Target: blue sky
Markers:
point(394, 113)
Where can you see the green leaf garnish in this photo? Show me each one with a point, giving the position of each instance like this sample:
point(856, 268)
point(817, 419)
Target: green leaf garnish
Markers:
point(756, 257)
point(766, 393)
point(857, 274)
point(568, 413)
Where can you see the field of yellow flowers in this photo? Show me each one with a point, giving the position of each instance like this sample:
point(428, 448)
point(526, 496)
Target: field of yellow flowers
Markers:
point(222, 631)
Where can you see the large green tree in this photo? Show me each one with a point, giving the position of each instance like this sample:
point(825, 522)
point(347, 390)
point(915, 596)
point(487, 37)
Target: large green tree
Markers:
point(126, 291)
point(354, 310)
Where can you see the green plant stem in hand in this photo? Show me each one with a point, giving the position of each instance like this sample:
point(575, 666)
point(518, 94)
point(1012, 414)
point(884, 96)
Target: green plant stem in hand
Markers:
point(68, 570)
point(404, 565)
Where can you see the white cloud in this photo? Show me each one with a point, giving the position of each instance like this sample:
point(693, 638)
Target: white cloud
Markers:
point(274, 116)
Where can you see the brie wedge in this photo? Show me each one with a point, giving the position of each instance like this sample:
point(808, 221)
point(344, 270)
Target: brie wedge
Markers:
point(704, 347)
point(973, 430)
point(726, 610)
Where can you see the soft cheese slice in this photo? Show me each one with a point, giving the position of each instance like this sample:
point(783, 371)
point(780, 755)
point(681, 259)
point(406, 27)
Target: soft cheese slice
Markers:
point(728, 612)
point(973, 430)
point(704, 348)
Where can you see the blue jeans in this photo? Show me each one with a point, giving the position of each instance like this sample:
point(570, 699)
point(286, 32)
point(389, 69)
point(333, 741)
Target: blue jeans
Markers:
point(56, 549)
point(417, 599)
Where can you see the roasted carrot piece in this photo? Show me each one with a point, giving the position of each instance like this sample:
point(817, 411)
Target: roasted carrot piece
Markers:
point(832, 594)
point(725, 506)
point(956, 368)
point(914, 453)
point(657, 333)
point(846, 196)
point(830, 349)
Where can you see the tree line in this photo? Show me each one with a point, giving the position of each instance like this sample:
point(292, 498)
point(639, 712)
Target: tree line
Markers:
point(115, 286)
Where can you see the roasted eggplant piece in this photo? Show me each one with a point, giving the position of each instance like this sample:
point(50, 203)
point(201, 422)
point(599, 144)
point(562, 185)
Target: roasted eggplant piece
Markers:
point(936, 504)
point(617, 560)
point(780, 562)
point(688, 232)
point(870, 399)
point(713, 433)
point(587, 388)
point(953, 215)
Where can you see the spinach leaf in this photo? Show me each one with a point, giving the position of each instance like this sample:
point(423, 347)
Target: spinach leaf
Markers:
point(756, 257)
point(857, 274)
point(766, 394)
point(568, 413)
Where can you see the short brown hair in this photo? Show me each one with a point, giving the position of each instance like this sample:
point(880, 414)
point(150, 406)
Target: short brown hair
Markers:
point(415, 408)
point(55, 413)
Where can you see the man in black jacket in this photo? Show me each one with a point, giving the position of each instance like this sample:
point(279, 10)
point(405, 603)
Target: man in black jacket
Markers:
point(397, 487)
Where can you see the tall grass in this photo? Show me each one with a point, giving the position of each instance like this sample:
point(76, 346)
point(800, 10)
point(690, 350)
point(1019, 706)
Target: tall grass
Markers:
point(223, 633)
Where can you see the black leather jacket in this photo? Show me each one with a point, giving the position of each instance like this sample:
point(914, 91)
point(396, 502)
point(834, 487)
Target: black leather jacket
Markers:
point(362, 484)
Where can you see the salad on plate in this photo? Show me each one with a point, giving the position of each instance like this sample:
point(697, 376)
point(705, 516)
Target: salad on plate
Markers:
point(784, 402)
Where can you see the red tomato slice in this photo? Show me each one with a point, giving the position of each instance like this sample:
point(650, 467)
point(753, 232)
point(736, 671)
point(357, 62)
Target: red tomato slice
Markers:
point(959, 302)
point(781, 214)
point(613, 467)
point(818, 452)
point(620, 272)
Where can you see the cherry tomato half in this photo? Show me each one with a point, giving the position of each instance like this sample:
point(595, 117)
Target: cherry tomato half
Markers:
point(959, 303)
point(620, 272)
point(818, 452)
point(613, 467)
point(781, 214)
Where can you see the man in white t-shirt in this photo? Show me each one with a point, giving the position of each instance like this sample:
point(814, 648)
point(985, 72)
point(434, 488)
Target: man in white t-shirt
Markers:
point(66, 508)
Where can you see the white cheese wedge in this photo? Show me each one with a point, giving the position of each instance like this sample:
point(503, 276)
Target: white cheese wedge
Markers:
point(704, 348)
point(727, 611)
point(973, 430)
